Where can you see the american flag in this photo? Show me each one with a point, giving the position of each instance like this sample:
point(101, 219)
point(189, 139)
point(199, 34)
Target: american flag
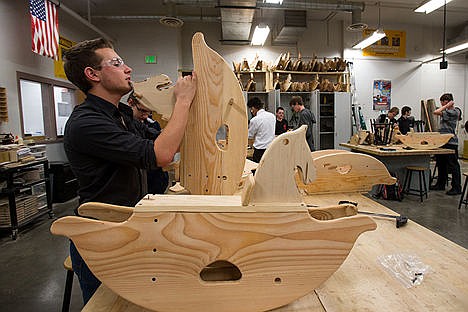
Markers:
point(44, 27)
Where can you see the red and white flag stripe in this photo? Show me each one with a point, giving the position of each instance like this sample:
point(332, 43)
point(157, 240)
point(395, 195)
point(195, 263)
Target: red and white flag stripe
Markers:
point(44, 28)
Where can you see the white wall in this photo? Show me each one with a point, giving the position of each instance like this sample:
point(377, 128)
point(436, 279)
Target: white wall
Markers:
point(136, 39)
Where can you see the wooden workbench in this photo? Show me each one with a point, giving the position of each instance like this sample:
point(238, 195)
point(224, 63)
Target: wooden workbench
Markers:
point(361, 284)
point(398, 150)
point(396, 161)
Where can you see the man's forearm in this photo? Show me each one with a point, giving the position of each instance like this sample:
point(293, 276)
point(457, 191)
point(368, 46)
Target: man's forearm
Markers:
point(168, 142)
point(442, 108)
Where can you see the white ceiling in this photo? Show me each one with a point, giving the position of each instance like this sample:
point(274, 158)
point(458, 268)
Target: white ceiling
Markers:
point(392, 11)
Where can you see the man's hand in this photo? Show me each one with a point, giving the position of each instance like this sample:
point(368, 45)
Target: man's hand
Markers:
point(185, 88)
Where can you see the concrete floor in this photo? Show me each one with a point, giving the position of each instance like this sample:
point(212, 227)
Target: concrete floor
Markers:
point(32, 277)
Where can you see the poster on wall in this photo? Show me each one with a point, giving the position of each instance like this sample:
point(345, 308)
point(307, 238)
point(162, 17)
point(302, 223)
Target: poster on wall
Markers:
point(392, 45)
point(382, 94)
point(64, 45)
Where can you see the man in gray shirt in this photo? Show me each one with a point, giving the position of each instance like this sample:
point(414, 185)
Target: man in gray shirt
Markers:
point(306, 117)
point(448, 163)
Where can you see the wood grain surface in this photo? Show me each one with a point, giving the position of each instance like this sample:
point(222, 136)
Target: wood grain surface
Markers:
point(275, 174)
point(346, 172)
point(205, 167)
point(424, 140)
point(361, 284)
point(398, 150)
point(157, 94)
point(157, 257)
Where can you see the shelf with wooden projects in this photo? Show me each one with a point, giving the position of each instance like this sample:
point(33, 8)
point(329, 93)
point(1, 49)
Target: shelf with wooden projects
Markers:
point(293, 75)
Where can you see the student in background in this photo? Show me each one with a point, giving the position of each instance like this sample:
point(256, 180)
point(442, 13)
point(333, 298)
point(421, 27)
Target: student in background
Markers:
point(281, 122)
point(306, 117)
point(448, 163)
point(390, 117)
point(261, 127)
point(157, 179)
point(406, 121)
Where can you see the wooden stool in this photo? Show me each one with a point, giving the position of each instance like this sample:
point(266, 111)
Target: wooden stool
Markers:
point(67, 264)
point(422, 182)
point(464, 196)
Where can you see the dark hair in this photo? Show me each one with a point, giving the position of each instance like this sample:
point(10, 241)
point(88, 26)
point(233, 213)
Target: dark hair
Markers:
point(459, 113)
point(405, 109)
point(79, 57)
point(279, 108)
point(446, 97)
point(394, 110)
point(255, 102)
point(296, 100)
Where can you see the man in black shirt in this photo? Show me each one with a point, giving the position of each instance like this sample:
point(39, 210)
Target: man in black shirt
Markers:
point(281, 123)
point(106, 147)
point(406, 121)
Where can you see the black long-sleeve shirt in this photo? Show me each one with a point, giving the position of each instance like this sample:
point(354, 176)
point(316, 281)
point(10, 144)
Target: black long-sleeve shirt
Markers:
point(107, 148)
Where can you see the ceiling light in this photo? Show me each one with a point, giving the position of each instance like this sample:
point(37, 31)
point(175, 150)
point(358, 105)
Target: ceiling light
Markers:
point(456, 48)
point(260, 35)
point(273, 1)
point(376, 36)
point(431, 5)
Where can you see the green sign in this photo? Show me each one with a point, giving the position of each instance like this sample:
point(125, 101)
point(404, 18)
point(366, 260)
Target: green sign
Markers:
point(151, 59)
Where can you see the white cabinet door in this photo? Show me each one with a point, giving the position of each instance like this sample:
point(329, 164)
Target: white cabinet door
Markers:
point(342, 118)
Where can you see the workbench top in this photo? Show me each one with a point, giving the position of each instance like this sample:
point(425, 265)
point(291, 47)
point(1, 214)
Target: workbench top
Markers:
point(395, 150)
point(361, 283)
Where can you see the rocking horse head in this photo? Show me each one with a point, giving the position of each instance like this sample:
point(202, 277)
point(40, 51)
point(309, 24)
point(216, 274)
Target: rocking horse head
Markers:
point(287, 155)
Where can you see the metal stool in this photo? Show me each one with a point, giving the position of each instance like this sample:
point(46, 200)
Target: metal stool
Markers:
point(464, 196)
point(67, 264)
point(422, 182)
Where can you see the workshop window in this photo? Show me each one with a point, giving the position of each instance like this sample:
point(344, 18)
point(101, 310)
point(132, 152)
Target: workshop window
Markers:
point(45, 106)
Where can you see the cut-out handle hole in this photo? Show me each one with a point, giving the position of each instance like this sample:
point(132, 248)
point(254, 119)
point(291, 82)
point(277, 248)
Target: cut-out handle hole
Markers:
point(220, 271)
point(222, 137)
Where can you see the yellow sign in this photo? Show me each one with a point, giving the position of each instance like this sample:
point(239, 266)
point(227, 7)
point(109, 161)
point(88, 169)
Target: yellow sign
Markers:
point(64, 45)
point(393, 45)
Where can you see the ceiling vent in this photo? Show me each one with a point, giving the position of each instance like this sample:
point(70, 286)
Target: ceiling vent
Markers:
point(171, 21)
point(356, 23)
point(293, 25)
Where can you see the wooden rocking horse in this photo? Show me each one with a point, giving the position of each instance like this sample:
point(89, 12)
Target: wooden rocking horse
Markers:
point(250, 252)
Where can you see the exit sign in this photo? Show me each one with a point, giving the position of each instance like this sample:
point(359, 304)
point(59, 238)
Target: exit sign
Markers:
point(151, 59)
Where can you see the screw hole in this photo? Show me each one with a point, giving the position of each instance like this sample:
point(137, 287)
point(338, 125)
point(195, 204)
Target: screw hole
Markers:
point(154, 250)
point(278, 280)
point(154, 279)
point(155, 220)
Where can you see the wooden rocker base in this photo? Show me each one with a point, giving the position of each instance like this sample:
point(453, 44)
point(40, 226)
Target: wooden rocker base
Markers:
point(210, 253)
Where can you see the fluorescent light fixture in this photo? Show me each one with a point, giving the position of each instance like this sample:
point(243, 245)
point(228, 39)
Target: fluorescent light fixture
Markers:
point(376, 36)
point(431, 5)
point(273, 1)
point(260, 34)
point(456, 48)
